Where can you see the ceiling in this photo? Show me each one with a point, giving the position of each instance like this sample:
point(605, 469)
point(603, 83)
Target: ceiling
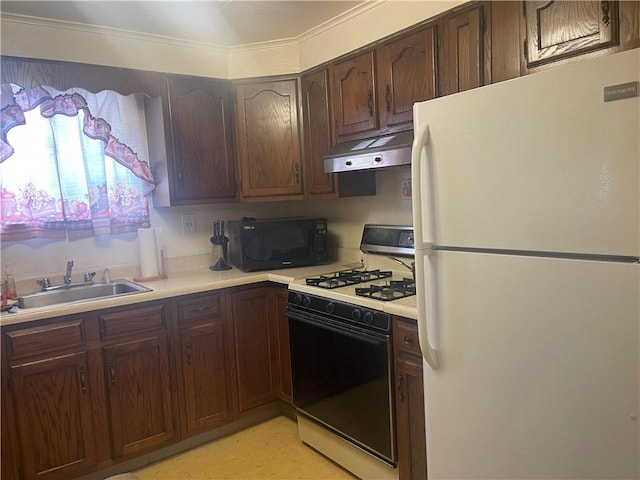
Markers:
point(226, 23)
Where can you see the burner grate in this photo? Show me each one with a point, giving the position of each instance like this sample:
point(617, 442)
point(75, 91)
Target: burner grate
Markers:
point(345, 278)
point(392, 290)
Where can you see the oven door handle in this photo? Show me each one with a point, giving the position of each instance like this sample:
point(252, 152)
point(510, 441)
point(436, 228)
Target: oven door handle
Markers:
point(371, 338)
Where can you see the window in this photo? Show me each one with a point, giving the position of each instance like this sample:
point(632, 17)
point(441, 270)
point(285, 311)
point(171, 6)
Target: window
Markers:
point(73, 163)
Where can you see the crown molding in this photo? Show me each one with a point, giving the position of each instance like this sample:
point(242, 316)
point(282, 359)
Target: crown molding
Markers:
point(161, 39)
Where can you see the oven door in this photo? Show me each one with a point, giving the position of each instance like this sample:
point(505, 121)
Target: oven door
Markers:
point(341, 378)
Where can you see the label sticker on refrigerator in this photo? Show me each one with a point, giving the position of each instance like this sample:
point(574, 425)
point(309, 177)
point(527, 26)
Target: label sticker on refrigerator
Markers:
point(623, 90)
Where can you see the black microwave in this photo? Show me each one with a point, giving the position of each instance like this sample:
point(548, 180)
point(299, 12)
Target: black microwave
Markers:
point(270, 243)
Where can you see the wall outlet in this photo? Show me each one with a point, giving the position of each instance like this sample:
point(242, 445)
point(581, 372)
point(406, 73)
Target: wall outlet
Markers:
point(405, 188)
point(188, 223)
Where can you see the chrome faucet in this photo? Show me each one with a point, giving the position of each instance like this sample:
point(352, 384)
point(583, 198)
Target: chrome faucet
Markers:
point(67, 277)
point(45, 283)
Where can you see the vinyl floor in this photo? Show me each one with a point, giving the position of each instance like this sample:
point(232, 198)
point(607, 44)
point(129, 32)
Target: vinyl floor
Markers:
point(270, 450)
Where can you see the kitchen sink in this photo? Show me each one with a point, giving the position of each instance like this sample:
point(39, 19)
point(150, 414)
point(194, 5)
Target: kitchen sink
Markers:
point(81, 293)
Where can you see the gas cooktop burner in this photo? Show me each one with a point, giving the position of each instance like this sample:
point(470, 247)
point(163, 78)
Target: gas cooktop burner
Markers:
point(344, 278)
point(392, 290)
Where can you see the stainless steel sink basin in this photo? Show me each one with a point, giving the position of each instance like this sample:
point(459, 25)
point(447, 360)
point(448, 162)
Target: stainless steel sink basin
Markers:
point(80, 293)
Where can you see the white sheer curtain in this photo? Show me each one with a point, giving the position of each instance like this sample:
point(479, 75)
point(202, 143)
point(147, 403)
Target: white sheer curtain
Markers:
point(79, 164)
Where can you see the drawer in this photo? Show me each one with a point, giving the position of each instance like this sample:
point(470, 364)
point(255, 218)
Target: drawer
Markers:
point(405, 336)
point(132, 321)
point(43, 339)
point(199, 308)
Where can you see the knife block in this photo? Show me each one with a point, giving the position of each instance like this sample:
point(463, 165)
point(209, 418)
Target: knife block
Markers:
point(219, 251)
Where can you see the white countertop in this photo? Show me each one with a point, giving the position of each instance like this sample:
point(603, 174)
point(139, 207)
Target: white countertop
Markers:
point(202, 280)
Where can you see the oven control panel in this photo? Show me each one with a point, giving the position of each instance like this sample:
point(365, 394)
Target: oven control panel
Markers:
point(341, 312)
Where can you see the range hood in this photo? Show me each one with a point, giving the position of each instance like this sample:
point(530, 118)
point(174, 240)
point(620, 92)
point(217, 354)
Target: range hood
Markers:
point(386, 151)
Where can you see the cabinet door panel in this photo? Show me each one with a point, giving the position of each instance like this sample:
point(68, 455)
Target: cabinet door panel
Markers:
point(268, 139)
point(409, 396)
point(205, 376)
point(406, 74)
point(201, 127)
point(139, 395)
point(412, 454)
point(53, 408)
point(256, 344)
point(561, 29)
point(463, 51)
point(354, 98)
point(317, 133)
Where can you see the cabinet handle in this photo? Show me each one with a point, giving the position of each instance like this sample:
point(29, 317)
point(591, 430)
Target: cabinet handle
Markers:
point(370, 103)
point(179, 175)
point(188, 349)
point(401, 387)
point(408, 340)
point(83, 379)
point(202, 309)
point(112, 372)
point(296, 172)
point(387, 98)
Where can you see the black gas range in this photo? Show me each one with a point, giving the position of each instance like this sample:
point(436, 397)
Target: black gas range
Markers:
point(368, 287)
point(377, 284)
point(340, 339)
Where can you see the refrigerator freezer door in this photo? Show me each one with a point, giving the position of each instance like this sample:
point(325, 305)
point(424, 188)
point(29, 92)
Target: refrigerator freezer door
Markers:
point(539, 369)
point(537, 163)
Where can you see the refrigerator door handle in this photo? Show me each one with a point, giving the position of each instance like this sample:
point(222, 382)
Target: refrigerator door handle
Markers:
point(425, 292)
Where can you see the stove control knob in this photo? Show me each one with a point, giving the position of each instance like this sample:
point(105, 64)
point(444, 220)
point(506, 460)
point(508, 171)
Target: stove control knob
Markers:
point(297, 299)
point(330, 308)
point(356, 314)
point(368, 318)
point(306, 301)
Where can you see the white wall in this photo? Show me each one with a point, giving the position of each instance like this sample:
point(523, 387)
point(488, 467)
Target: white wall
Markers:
point(77, 43)
point(346, 217)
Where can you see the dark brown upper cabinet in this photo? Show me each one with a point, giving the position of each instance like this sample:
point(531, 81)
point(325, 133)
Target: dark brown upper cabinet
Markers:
point(354, 100)
point(556, 30)
point(316, 122)
point(462, 50)
point(268, 140)
point(202, 167)
point(406, 75)
point(374, 92)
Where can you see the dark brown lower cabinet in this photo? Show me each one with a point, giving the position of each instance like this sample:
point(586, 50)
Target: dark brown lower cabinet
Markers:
point(204, 363)
point(81, 393)
point(410, 415)
point(52, 406)
point(140, 395)
point(138, 378)
point(255, 334)
point(49, 392)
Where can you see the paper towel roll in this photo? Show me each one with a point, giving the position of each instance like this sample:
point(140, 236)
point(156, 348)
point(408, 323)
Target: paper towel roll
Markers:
point(147, 252)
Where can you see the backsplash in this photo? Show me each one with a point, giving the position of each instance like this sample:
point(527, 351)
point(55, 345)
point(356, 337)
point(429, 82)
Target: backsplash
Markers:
point(345, 217)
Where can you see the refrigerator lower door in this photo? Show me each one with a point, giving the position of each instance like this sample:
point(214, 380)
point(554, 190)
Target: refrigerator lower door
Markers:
point(539, 369)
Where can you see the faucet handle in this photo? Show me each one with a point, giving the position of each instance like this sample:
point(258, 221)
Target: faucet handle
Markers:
point(44, 283)
point(88, 277)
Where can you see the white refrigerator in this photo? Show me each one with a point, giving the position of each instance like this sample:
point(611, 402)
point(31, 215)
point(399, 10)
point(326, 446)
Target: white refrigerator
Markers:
point(527, 230)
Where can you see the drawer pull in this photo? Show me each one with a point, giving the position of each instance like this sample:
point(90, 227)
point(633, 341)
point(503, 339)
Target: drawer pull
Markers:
point(203, 308)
